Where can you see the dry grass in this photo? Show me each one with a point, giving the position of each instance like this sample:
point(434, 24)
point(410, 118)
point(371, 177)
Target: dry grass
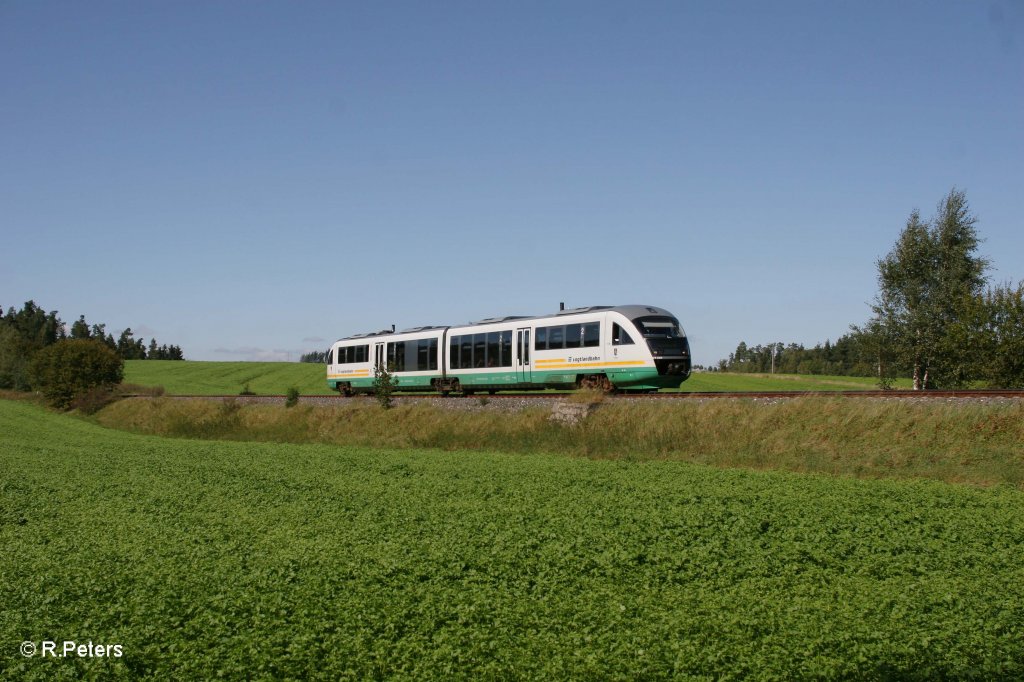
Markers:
point(973, 443)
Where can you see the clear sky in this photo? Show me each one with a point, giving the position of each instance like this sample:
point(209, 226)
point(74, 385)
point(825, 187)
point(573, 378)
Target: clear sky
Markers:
point(254, 180)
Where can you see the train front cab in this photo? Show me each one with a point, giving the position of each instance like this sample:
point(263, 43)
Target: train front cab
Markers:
point(638, 339)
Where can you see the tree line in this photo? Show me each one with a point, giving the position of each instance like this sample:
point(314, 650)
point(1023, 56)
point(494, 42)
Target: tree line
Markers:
point(26, 332)
point(846, 357)
point(936, 319)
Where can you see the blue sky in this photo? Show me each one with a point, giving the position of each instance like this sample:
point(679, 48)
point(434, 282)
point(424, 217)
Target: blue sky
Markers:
point(253, 180)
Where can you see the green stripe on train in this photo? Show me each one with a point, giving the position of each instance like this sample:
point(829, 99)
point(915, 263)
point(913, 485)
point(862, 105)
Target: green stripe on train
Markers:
point(642, 378)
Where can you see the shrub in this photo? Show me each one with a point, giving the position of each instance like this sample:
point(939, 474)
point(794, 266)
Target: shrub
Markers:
point(94, 399)
point(384, 382)
point(130, 390)
point(72, 367)
point(246, 390)
point(292, 398)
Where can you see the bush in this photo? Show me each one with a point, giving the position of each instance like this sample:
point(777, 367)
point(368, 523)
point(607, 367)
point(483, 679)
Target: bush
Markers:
point(384, 383)
point(292, 399)
point(130, 390)
point(94, 399)
point(73, 367)
point(246, 390)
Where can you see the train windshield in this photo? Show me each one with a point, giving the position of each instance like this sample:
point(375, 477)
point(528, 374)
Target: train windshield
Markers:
point(659, 327)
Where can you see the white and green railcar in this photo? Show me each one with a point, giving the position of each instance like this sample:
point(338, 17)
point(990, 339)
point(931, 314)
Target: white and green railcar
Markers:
point(610, 347)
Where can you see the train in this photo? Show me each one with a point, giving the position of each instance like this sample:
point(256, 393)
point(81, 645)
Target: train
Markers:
point(609, 348)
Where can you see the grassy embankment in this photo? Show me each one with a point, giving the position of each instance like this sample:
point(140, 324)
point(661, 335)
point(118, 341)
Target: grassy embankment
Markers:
point(255, 560)
point(954, 442)
point(275, 378)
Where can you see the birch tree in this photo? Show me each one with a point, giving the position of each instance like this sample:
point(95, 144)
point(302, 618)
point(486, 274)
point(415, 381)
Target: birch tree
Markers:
point(924, 282)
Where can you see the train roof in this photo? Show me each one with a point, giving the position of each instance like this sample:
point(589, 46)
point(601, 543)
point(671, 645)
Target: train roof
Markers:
point(632, 311)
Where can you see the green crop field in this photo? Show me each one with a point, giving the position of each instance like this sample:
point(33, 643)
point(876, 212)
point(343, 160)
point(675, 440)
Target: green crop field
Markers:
point(205, 559)
point(275, 378)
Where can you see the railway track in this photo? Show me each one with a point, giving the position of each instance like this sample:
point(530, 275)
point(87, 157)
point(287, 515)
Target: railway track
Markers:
point(905, 394)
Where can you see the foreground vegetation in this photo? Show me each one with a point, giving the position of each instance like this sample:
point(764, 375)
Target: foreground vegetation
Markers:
point(955, 442)
point(218, 559)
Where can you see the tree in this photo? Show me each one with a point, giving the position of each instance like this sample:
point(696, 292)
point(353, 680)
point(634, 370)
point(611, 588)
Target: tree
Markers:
point(80, 329)
point(15, 353)
point(70, 367)
point(129, 348)
point(37, 327)
point(22, 334)
point(923, 284)
point(99, 332)
point(991, 336)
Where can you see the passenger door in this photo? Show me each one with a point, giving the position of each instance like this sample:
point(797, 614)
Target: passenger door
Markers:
point(524, 375)
point(379, 355)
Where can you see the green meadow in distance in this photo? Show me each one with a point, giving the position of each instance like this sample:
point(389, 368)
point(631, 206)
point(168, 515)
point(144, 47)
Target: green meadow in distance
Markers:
point(193, 377)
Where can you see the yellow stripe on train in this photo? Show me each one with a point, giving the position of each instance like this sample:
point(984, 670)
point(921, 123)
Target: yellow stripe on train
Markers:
point(616, 363)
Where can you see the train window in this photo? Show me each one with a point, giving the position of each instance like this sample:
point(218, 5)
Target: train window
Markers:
point(592, 334)
point(658, 327)
point(453, 352)
point(506, 348)
point(426, 355)
point(330, 357)
point(573, 335)
point(479, 350)
point(540, 341)
point(620, 337)
point(556, 337)
point(396, 356)
point(422, 354)
point(467, 352)
point(493, 343)
point(362, 353)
